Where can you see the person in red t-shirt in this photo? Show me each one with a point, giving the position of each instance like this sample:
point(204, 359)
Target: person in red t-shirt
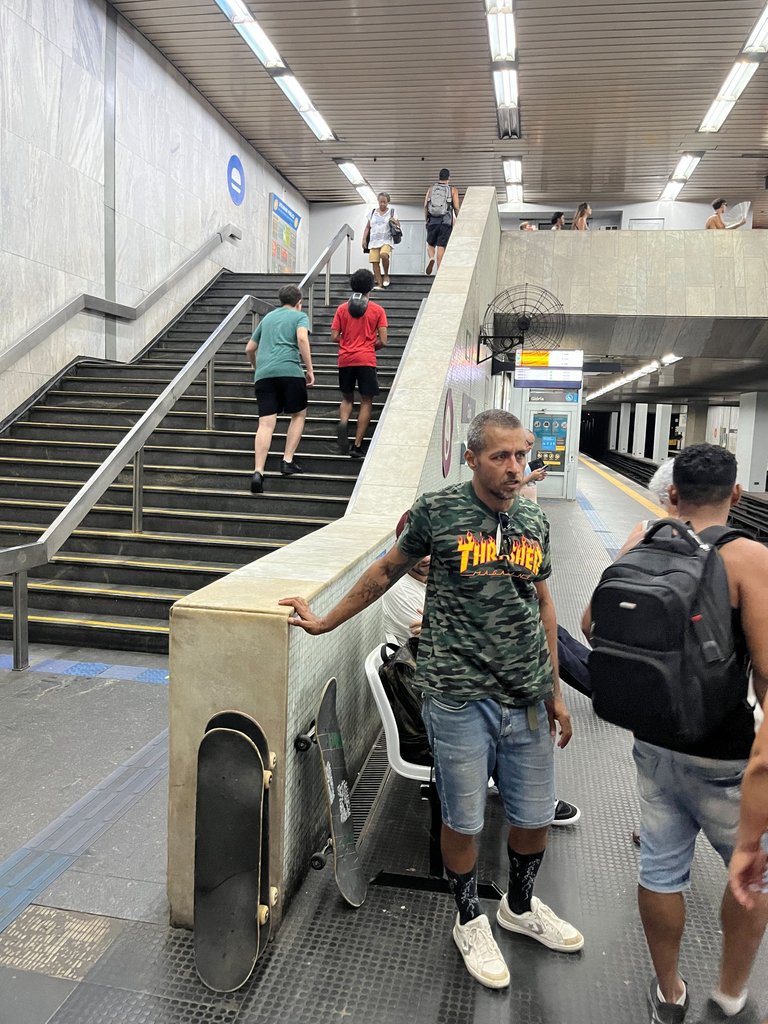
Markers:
point(359, 327)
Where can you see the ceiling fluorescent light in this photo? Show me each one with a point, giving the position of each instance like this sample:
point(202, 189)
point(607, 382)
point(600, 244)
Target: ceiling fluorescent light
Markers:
point(368, 195)
point(351, 172)
point(738, 79)
point(686, 165)
point(505, 85)
point(672, 191)
point(298, 97)
point(235, 10)
point(513, 171)
point(758, 41)
point(668, 360)
point(501, 30)
point(514, 193)
point(318, 124)
point(716, 115)
point(260, 43)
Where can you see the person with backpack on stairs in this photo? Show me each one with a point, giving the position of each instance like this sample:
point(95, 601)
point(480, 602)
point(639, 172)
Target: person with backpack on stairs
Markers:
point(676, 623)
point(441, 207)
point(359, 328)
point(282, 373)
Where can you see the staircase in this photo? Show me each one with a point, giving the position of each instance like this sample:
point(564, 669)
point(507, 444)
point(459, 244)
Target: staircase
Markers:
point(109, 587)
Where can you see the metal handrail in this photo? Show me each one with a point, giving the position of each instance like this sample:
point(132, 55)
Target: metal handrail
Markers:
point(17, 561)
point(323, 262)
point(86, 303)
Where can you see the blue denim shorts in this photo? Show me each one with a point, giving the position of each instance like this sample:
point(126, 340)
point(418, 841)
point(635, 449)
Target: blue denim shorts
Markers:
point(680, 796)
point(472, 739)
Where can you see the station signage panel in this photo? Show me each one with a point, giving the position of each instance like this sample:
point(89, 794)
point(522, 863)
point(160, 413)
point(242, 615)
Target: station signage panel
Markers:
point(559, 369)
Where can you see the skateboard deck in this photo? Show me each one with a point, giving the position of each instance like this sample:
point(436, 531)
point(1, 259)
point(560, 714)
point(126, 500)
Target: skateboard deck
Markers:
point(240, 722)
point(346, 862)
point(229, 827)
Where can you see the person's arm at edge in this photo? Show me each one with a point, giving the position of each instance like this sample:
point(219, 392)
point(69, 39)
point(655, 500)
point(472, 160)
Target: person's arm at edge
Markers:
point(748, 861)
point(250, 353)
point(455, 202)
point(335, 336)
point(374, 582)
point(556, 708)
point(752, 568)
point(426, 204)
point(302, 338)
point(381, 337)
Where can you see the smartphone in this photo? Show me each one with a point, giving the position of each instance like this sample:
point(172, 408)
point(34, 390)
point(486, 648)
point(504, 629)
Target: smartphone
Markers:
point(536, 464)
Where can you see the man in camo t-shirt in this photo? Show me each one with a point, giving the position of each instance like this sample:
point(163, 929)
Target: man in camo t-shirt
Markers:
point(487, 665)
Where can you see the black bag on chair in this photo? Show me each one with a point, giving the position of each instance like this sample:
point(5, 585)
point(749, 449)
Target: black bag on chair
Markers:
point(397, 672)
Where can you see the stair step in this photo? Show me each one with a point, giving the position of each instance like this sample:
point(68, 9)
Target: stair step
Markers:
point(105, 599)
point(91, 631)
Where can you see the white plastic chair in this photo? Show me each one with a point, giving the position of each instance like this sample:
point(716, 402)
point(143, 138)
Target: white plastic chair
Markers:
point(409, 770)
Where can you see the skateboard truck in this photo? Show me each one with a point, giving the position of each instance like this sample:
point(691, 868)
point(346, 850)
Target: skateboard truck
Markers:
point(304, 740)
point(319, 859)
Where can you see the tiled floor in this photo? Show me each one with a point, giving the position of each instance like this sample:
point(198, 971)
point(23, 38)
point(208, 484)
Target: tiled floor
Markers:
point(93, 947)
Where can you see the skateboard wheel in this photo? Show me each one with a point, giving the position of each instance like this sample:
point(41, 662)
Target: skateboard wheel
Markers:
point(302, 743)
point(263, 914)
point(272, 759)
point(274, 895)
point(318, 860)
point(267, 780)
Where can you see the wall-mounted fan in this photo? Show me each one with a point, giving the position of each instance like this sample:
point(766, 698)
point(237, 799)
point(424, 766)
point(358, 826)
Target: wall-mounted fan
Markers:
point(524, 316)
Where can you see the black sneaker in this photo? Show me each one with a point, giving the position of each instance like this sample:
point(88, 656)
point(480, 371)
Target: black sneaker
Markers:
point(565, 813)
point(343, 438)
point(356, 452)
point(257, 483)
point(666, 1013)
point(289, 468)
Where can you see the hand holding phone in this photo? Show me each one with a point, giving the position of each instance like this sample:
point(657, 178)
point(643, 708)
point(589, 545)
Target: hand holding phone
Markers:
point(536, 464)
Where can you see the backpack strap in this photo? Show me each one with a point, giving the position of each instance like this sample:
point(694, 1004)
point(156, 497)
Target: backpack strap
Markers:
point(388, 650)
point(719, 536)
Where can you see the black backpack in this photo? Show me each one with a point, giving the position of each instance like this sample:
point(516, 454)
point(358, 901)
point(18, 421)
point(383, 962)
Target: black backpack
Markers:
point(664, 661)
point(397, 672)
point(357, 305)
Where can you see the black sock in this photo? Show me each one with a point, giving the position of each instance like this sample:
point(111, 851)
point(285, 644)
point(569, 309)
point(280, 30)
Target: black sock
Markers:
point(464, 891)
point(523, 868)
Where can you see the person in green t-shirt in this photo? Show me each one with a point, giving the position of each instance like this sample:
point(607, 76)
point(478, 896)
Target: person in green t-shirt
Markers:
point(281, 340)
point(487, 668)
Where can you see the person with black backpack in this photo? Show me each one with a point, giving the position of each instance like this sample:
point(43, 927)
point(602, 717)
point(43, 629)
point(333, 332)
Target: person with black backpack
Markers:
point(441, 207)
point(676, 624)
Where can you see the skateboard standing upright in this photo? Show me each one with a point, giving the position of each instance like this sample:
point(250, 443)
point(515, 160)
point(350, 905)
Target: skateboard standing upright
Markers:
point(232, 891)
point(346, 861)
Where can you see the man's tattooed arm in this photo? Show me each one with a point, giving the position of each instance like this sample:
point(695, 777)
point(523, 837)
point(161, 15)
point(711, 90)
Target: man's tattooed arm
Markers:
point(374, 582)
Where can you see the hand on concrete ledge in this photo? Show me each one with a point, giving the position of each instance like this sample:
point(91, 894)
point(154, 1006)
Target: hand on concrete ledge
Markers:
point(304, 616)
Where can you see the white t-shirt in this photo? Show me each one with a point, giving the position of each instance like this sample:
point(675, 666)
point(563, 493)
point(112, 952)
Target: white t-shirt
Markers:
point(402, 605)
point(380, 230)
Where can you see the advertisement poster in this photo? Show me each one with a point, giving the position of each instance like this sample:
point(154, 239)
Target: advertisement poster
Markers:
point(284, 229)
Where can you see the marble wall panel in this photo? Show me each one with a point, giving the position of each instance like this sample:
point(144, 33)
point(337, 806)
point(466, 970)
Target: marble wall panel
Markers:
point(756, 293)
point(89, 28)
point(80, 143)
point(675, 304)
point(30, 82)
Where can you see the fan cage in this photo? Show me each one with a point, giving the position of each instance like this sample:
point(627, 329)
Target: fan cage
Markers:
point(524, 316)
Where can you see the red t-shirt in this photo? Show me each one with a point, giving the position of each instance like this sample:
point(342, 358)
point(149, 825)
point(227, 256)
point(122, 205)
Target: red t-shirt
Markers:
point(358, 334)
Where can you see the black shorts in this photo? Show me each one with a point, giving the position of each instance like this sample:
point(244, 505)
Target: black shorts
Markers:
point(281, 394)
point(438, 234)
point(361, 377)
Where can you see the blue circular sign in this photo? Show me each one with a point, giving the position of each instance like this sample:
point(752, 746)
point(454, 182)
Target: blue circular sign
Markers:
point(236, 180)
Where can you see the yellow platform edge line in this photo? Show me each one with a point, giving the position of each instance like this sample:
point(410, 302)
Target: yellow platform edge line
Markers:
point(647, 504)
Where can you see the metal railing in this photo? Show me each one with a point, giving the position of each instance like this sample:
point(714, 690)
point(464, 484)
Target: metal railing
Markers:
point(17, 561)
point(105, 307)
point(323, 262)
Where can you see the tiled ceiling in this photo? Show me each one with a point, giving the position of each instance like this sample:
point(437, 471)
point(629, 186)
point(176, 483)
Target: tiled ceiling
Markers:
point(611, 93)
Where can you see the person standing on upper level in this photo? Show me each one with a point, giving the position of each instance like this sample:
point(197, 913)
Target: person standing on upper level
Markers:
point(377, 239)
point(359, 328)
point(716, 222)
point(441, 208)
point(558, 221)
point(581, 218)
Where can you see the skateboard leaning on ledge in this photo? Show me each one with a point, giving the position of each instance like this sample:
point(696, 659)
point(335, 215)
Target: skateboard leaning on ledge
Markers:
point(233, 897)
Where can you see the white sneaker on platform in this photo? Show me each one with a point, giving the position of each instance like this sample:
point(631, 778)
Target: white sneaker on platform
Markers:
point(541, 923)
point(482, 956)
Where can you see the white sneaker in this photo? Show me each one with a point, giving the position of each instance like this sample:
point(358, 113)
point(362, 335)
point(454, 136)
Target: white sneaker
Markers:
point(541, 923)
point(482, 956)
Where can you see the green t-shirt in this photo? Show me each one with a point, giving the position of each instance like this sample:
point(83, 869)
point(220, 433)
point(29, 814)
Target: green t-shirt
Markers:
point(482, 634)
point(278, 353)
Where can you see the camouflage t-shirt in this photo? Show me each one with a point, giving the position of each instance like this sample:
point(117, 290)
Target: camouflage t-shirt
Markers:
point(482, 634)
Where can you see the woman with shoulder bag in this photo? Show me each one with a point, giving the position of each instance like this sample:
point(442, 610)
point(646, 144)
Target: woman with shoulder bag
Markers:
point(382, 231)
